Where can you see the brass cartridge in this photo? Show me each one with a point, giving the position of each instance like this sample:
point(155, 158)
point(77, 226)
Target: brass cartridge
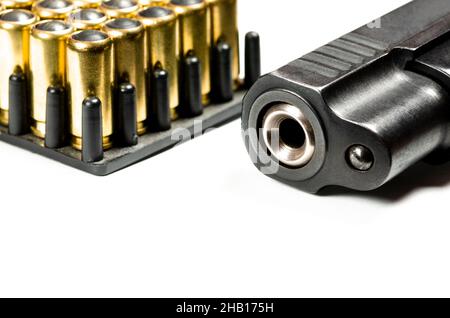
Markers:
point(162, 49)
point(195, 37)
point(89, 74)
point(120, 8)
point(17, 4)
point(129, 62)
point(87, 4)
point(87, 19)
point(15, 25)
point(47, 66)
point(148, 3)
point(224, 27)
point(53, 9)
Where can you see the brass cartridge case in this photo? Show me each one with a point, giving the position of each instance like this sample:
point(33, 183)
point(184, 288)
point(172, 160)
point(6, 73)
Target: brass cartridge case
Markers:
point(195, 37)
point(53, 9)
point(120, 8)
point(17, 4)
point(47, 67)
point(224, 27)
point(90, 73)
point(129, 62)
point(87, 4)
point(148, 3)
point(162, 49)
point(15, 25)
point(87, 19)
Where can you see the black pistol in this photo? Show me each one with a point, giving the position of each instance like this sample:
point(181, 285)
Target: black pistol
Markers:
point(360, 110)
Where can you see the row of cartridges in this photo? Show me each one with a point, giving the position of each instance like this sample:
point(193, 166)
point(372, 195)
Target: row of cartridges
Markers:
point(149, 62)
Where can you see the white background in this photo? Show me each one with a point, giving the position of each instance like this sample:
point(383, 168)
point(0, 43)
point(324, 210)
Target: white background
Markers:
point(201, 221)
